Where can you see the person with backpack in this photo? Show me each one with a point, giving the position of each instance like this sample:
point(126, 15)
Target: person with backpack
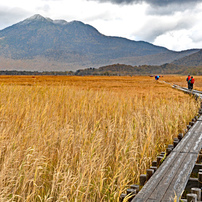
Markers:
point(188, 78)
point(191, 83)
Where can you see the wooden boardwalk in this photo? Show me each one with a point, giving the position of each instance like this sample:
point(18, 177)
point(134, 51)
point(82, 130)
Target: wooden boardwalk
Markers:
point(169, 181)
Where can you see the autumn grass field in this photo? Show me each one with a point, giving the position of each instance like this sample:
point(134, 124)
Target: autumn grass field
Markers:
point(69, 138)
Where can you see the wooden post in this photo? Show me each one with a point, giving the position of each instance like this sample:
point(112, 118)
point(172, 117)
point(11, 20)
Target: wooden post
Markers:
point(180, 136)
point(196, 191)
point(153, 168)
point(143, 179)
point(197, 168)
point(176, 139)
point(191, 198)
point(154, 163)
point(159, 159)
point(199, 159)
point(175, 143)
point(170, 146)
point(200, 179)
point(150, 172)
point(188, 127)
point(136, 187)
point(191, 123)
point(192, 182)
point(168, 151)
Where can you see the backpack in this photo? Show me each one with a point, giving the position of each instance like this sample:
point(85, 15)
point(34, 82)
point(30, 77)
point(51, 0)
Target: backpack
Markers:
point(192, 80)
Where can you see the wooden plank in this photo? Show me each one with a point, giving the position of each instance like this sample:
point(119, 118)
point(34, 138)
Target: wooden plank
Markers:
point(176, 188)
point(191, 142)
point(197, 144)
point(184, 144)
point(162, 187)
point(151, 185)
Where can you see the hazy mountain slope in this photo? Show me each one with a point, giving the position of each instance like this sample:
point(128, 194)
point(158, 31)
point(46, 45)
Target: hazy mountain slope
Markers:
point(41, 43)
point(194, 59)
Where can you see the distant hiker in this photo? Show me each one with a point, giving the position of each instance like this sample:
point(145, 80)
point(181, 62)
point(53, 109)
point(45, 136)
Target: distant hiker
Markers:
point(188, 78)
point(191, 83)
point(157, 78)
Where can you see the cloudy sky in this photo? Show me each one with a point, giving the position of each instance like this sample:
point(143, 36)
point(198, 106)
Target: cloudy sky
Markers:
point(174, 24)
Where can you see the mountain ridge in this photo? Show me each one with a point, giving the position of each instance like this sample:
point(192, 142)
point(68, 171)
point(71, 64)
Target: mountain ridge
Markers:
point(42, 43)
point(192, 60)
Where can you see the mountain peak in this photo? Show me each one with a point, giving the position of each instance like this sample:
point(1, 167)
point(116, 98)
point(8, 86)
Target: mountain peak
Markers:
point(36, 17)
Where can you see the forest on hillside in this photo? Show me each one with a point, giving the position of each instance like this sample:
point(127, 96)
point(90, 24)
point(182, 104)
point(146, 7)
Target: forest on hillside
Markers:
point(123, 70)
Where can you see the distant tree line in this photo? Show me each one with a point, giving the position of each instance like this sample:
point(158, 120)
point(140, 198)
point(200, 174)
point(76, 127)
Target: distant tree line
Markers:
point(51, 73)
point(117, 70)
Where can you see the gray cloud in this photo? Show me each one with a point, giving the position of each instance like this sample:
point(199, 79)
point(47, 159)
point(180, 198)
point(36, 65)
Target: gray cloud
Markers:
point(172, 8)
point(168, 10)
point(151, 2)
point(150, 33)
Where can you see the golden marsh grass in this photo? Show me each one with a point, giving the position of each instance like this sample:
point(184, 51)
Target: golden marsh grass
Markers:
point(84, 138)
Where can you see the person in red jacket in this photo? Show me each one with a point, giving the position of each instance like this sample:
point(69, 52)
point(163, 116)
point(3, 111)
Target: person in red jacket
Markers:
point(191, 83)
point(188, 78)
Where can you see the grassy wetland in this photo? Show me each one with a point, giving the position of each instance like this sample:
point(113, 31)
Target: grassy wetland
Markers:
point(84, 138)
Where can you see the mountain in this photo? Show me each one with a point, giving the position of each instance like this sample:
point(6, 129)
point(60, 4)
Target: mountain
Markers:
point(193, 60)
point(39, 43)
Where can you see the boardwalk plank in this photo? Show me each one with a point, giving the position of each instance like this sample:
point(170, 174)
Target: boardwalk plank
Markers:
point(197, 144)
point(178, 184)
point(162, 187)
point(154, 181)
point(185, 144)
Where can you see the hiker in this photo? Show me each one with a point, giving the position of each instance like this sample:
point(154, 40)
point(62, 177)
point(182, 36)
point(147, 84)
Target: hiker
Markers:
point(188, 78)
point(156, 78)
point(191, 83)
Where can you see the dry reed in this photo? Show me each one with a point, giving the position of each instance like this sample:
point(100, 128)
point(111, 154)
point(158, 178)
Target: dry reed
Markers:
point(64, 143)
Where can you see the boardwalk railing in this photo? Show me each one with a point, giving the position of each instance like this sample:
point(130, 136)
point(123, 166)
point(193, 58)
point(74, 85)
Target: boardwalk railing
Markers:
point(168, 182)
